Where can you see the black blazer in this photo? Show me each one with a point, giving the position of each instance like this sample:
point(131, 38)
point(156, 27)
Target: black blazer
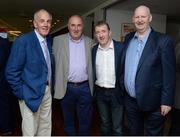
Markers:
point(4, 53)
point(118, 48)
point(155, 78)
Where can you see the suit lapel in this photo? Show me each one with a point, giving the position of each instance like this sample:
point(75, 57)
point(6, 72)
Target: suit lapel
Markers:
point(126, 44)
point(66, 45)
point(86, 44)
point(147, 49)
point(39, 49)
point(115, 56)
point(94, 53)
point(49, 44)
point(66, 49)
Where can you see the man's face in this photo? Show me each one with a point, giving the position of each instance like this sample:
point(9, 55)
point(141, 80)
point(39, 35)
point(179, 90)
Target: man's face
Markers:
point(43, 23)
point(75, 26)
point(142, 19)
point(103, 34)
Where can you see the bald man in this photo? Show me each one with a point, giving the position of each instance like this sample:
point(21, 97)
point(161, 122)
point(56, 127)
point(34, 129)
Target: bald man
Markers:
point(73, 79)
point(149, 75)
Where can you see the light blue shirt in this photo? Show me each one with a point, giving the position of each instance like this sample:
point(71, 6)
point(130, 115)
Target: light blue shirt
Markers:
point(77, 60)
point(133, 56)
point(46, 53)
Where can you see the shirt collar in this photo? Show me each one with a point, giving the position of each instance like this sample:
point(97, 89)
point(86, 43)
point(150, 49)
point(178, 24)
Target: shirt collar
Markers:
point(75, 41)
point(136, 36)
point(111, 46)
point(40, 38)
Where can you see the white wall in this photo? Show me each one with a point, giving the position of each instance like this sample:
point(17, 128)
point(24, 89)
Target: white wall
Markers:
point(88, 26)
point(115, 17)
point(99, 15)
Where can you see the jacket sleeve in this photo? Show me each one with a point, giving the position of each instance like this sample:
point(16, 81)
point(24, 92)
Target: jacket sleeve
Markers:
point(168, 69)
point(15, 66)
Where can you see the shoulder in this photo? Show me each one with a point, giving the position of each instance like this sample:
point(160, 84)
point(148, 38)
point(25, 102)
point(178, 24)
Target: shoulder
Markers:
point(59, 42)
point(117, 43)
point(163, 39)
point(86, 38)
point(26, 36)
point(159, 36)
point(60, 37)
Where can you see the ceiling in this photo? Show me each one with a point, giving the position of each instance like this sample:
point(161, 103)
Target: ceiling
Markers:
point(170, 8)
point(18, 14)
point(15, 14)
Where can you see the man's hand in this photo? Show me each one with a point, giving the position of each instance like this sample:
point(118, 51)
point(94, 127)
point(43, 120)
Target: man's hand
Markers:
point(165, 109)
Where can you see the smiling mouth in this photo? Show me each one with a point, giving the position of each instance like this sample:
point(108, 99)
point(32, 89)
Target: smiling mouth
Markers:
point(140, 24)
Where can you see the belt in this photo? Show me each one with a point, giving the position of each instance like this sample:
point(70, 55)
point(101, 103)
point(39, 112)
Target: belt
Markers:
point(103, 88)
point(78, 83)
point(47, 83)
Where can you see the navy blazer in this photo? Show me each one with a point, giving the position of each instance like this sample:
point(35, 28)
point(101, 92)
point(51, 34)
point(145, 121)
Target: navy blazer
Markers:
point(27, 70)
point(118, 48)
point(155, 77)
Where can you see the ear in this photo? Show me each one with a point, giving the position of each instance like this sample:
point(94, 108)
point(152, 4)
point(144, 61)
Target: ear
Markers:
point(35, 24)
point(150, 18)
point(132, 19)
point(110, 33)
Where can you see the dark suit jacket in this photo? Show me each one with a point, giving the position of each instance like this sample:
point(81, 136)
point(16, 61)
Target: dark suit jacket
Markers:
point(4, 53)
point(177, 91)
point(118, 48)
point(155, 77)
point(27, 70)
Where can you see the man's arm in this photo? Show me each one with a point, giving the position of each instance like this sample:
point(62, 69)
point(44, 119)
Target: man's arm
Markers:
point(15, 66)
point(169, 74)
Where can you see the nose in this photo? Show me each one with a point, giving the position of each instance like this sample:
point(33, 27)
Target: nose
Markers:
point(99, 34)
point(46, 23)
point(139, 19)
point(76, 28)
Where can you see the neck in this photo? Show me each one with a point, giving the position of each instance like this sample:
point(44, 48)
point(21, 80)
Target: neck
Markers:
point(107, 44)
point(142, 33)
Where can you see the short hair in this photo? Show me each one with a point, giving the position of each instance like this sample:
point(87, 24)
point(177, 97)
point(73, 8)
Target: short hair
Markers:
point(41, 10)
point(76, 15)
point(100, 23)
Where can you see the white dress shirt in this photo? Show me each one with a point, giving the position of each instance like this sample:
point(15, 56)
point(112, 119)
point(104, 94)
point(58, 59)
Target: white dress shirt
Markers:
point(105, 67)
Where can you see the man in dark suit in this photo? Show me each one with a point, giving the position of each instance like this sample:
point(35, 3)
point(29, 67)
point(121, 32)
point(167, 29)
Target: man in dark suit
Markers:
point(29, 75)
point(149, 75)
point(7, 100)
point(106, 56)
point(175, 119)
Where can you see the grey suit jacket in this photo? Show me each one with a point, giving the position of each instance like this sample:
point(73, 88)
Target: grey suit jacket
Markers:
point(177, 92)
point(61, 54)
